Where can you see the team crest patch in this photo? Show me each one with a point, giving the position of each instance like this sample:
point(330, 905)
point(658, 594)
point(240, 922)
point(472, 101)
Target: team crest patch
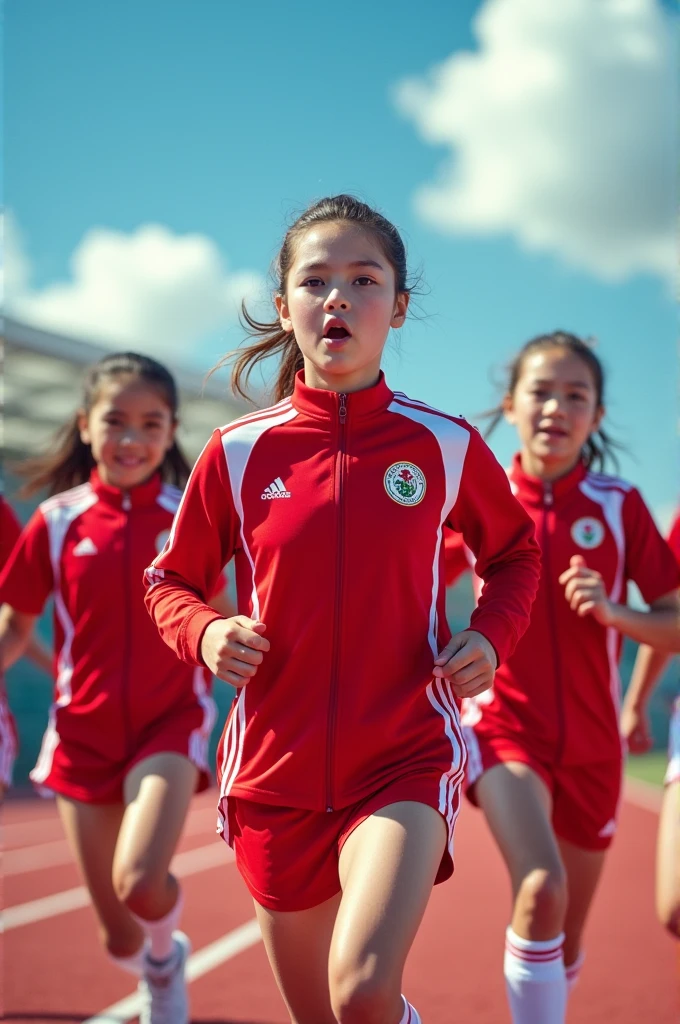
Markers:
point(405, 483)
point(588, 532)
point(162, 540)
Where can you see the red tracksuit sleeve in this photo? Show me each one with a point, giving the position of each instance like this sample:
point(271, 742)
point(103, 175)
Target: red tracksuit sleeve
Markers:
point(27, 580)
point(501, 536)
point(674, 539)
point(9, 531)
point(649, 560)
point(202, 541)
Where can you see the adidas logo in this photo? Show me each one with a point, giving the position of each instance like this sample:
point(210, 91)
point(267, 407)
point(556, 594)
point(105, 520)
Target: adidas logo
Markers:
point(85, 547)
point(608, 830)
point(275, 490)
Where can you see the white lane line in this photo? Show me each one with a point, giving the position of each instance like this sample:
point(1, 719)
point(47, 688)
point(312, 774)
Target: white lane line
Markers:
point(27, 835)
point(643, 794)
point(191, 862)
point(35, 858)
point(206, 959)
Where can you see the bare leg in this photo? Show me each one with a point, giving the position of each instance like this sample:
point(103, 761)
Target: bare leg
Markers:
point(92, 833)
point(584, 869)
point(668, 860)
point(158, 792)
point(298, 945)
point(387, 869)
point(517, 806)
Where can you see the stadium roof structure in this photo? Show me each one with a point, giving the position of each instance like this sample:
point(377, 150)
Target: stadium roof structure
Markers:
point(42, 376)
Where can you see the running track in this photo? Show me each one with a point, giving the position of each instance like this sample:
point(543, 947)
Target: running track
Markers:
point(54, 971)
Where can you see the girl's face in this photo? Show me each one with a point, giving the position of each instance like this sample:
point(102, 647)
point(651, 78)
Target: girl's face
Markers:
point(555, 409)
point(341, 301)
point(129, 428)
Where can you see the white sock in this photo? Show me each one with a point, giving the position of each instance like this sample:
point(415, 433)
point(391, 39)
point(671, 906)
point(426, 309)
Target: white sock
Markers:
point(535, 981)
point(410, 1015)
point(160, 932)
point(573, 971)
point(132, 964)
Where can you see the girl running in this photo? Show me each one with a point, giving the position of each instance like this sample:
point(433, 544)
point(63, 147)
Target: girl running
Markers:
point(10, 531)
point(545, 757)
point(649, 666)
point(126, 743)
point(341, 763)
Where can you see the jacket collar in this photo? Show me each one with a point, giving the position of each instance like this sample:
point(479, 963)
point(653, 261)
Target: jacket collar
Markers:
point(143, 494)
point(326, 404)
point(535, 492)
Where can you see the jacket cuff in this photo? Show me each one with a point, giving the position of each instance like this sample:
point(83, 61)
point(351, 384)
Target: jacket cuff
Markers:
point(191, 634)
point(498, 630)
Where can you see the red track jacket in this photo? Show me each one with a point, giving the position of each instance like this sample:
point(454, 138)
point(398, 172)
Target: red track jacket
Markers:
point(560, 690)
point(333, 506)
point(114, 677)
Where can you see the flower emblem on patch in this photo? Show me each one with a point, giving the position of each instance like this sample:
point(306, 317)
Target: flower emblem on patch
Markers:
point(161, 540)
point(405, 483)
point(587, 532)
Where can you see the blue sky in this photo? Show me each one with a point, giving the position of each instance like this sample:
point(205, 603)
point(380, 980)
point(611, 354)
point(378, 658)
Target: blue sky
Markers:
point(219, 120)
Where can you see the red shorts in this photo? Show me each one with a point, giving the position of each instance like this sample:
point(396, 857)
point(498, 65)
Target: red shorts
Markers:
point(8, 742)
point(89, 776)
point(585, 798)
point(289, 857)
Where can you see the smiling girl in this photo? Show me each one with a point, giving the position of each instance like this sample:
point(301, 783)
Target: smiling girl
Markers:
point(342, 760)
point(545, 754)
point(126, 743)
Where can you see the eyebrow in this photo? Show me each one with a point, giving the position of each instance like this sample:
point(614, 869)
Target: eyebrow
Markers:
point(155, 414)
point(569, 383)
point(307, 267)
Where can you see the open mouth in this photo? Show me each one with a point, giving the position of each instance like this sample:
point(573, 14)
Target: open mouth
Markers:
point(336, 330)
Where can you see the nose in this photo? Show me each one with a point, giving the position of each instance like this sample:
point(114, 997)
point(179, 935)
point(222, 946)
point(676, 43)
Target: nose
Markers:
point(551, 405)
point(336, 301)
point(129, 437)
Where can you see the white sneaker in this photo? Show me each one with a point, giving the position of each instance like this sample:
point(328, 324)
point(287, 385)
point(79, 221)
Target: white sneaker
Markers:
point(164, 990)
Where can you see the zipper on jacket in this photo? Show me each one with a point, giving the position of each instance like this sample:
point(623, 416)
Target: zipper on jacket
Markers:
point(548, 504)
point(127, 600)
point(335, 670)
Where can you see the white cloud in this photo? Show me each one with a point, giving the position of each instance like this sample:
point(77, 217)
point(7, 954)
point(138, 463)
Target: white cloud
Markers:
point(151, 289)
point(562, 132)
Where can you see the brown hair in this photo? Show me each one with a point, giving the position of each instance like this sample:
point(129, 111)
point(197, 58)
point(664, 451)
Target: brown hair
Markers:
point(271, 338)
point(69, 462)
point(599, 447)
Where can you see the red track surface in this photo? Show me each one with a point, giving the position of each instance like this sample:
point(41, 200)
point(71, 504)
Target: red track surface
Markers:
point(54, 969)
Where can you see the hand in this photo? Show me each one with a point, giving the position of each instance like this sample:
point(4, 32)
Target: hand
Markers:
point(634, 729)
point(469, 661)
point(233, 648)
point(584, 590)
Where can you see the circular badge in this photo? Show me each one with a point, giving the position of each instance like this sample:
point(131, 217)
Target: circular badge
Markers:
point(588, 532)
point(405, 483)
point(162, 540)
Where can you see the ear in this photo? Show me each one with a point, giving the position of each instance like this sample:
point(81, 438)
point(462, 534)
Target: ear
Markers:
point(284, 315)
point(599, 416)
point(400, 308)
point(83, 428)
point(508, 408)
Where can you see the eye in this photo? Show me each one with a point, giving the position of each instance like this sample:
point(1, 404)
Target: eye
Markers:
point(312, 282)
point(577, 396)
point(364, 280)
point(113, 421)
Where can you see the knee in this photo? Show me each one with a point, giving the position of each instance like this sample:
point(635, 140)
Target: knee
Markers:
point(543, 895)
point(138, 889)
point(361, 996)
